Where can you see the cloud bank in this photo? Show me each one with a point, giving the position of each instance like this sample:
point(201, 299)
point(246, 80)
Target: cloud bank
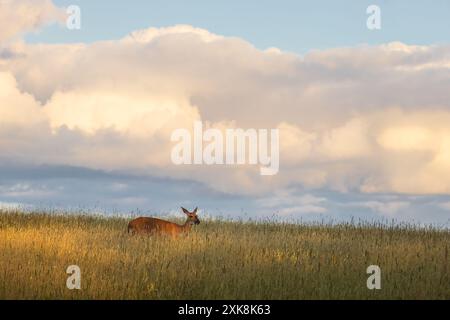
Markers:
point(371, 119)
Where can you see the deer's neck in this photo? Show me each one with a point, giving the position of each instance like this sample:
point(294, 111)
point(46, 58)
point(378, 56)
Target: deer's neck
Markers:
point(186, 226)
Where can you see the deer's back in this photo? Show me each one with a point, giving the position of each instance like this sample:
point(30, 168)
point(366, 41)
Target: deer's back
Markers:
point(152, 225)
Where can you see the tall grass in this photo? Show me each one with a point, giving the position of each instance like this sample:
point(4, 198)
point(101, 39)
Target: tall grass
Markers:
point(218, 260)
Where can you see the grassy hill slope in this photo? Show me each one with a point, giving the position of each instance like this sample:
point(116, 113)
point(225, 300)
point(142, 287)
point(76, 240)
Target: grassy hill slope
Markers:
point(218, 260)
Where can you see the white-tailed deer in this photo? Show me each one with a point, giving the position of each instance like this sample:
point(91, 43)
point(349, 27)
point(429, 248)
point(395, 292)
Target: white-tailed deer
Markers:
point(146, 225)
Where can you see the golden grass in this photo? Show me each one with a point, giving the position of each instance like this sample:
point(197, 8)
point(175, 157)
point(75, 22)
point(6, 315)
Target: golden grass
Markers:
point(218, 260)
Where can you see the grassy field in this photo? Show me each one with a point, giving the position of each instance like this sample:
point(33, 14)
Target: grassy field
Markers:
point(218, 260)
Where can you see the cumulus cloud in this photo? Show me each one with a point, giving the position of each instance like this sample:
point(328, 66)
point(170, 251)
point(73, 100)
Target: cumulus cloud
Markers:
point(18, 108)
point(445, 205)
point(288, 203)
point(367, 118)
point(386, 208)
point(20, 16)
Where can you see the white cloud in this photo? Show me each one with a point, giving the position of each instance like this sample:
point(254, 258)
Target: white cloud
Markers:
point(300, 210)
point(17, 108)
point(20, 16)
point(445, 205)
point(132, 113)
point(151, 34)
point(6, 205)
point(20, 190)
point(287, 203)
point(371, 119)
point(386, 208)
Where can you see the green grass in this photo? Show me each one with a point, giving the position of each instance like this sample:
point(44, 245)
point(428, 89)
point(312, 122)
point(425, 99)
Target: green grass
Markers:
point(218, 260)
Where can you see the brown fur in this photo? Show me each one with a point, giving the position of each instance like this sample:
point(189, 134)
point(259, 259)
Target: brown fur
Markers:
point(147, 225)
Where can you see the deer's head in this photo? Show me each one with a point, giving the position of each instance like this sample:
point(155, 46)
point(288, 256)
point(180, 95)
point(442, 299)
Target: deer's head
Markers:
point(191, 216)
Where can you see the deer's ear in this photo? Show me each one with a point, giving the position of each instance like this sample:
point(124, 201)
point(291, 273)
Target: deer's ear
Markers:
point(184, 210)
point(195, 210)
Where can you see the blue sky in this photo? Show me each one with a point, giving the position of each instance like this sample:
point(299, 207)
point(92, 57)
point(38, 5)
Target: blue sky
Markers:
point(297, 26)
point(363, 114)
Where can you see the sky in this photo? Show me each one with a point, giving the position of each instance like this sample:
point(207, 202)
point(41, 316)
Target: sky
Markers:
point(86, 115)
point(295, 26)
